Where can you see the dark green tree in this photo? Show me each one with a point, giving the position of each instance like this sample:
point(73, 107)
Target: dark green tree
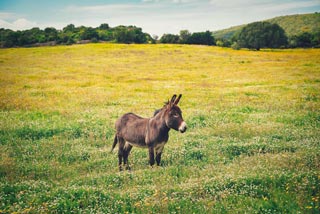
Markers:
point(66, 38)
point(184, 36)
point(130, 34)
point(51, 34)
point(316, 39)
point(104, 26)
point(262, 35)
point(169, 38)
point(122, 35)
point(9, 38)
point(138, 36)
point(105, 35)
point(89, 33)
point(303, 40)
point(69, 35)
point(104, 32)
point(69, 28)
point(201, 38)
point(32, 36)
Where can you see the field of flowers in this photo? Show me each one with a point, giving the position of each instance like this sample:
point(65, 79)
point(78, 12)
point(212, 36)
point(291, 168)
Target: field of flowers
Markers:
point(252, 144)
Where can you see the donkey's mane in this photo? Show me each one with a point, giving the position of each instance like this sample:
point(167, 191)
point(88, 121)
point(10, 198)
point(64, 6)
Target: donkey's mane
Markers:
point(158, 110)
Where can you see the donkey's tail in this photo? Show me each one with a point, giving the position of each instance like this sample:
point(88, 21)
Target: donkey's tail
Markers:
point(115, 141)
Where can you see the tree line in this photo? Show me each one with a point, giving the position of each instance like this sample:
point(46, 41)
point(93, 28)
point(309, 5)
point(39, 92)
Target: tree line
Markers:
point(185, 37)
point(71, 35)
point(253, 36)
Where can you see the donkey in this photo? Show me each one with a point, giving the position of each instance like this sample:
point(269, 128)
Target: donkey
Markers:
point(151, 133)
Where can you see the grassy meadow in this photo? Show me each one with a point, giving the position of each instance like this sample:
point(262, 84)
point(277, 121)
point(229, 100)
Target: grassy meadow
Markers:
point(252, 144)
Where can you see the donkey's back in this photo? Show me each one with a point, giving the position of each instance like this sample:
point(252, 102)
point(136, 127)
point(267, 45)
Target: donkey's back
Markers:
point(131, 128)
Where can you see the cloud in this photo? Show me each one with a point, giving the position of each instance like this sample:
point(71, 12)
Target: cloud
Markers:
point(24, 24)
point(150, 0)
point(169, 1)
point(271, 5)
point(7, 15)
point(15, 21)
point(183, 1)
point(19, 24)
point(104, 8)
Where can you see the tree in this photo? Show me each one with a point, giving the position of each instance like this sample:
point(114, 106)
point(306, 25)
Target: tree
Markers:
point(104, 26)
point(262, 35)
point(8, 38)
point(51, 34)
point(169, 38)
point(129, 35)
point(122, 35)
point(316, 39)
point(223, 43)
point(88, 33)
point(303, 40)
point(184, 36)
point(201, 38)
point(32, 36)
point(69, 28)
point(105, 35)
point(138, 36)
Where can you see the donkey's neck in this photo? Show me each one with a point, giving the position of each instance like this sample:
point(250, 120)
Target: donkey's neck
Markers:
point(159, 122)
point(157, 129)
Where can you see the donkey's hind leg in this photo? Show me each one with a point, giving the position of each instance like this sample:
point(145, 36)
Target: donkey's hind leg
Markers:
point(121, 152)
point(126, 152)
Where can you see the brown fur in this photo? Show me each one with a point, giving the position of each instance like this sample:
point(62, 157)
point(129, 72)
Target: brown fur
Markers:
point(151, 133)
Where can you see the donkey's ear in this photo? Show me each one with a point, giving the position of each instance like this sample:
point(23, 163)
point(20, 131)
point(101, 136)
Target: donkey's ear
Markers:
point(173, 99)
point(177, 100)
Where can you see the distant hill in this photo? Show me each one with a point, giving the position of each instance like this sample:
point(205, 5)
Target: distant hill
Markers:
point(292, 24)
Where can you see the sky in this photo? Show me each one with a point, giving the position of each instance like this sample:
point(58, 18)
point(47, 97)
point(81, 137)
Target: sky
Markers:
point(155, 17)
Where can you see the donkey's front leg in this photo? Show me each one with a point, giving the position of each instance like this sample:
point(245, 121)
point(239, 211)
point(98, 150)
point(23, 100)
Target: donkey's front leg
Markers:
point(151, 155)
point(158, 158)
point(158, 154)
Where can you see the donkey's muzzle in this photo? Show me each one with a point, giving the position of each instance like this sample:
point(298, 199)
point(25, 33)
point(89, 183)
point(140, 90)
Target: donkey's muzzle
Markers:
point(183, 127)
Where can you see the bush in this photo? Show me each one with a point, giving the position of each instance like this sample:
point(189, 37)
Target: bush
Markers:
point(235, 46)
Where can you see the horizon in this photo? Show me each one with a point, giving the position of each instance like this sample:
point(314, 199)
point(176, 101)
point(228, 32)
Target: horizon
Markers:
point(155, 17)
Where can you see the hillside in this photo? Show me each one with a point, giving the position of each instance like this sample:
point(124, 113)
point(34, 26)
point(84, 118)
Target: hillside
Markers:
point(292, 24)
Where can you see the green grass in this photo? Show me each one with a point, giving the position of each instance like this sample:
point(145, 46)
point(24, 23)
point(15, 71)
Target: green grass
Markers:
point(252, 144)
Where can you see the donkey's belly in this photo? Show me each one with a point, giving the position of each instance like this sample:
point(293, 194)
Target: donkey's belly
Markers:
point(137, 144)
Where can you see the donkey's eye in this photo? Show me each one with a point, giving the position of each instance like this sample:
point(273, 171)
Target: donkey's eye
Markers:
point(176, 115)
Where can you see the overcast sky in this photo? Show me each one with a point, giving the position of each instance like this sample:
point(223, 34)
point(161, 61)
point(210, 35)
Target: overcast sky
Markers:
point(153, 16)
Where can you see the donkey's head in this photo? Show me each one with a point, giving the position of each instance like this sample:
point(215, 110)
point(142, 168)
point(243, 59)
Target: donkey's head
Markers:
point(173, 115)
